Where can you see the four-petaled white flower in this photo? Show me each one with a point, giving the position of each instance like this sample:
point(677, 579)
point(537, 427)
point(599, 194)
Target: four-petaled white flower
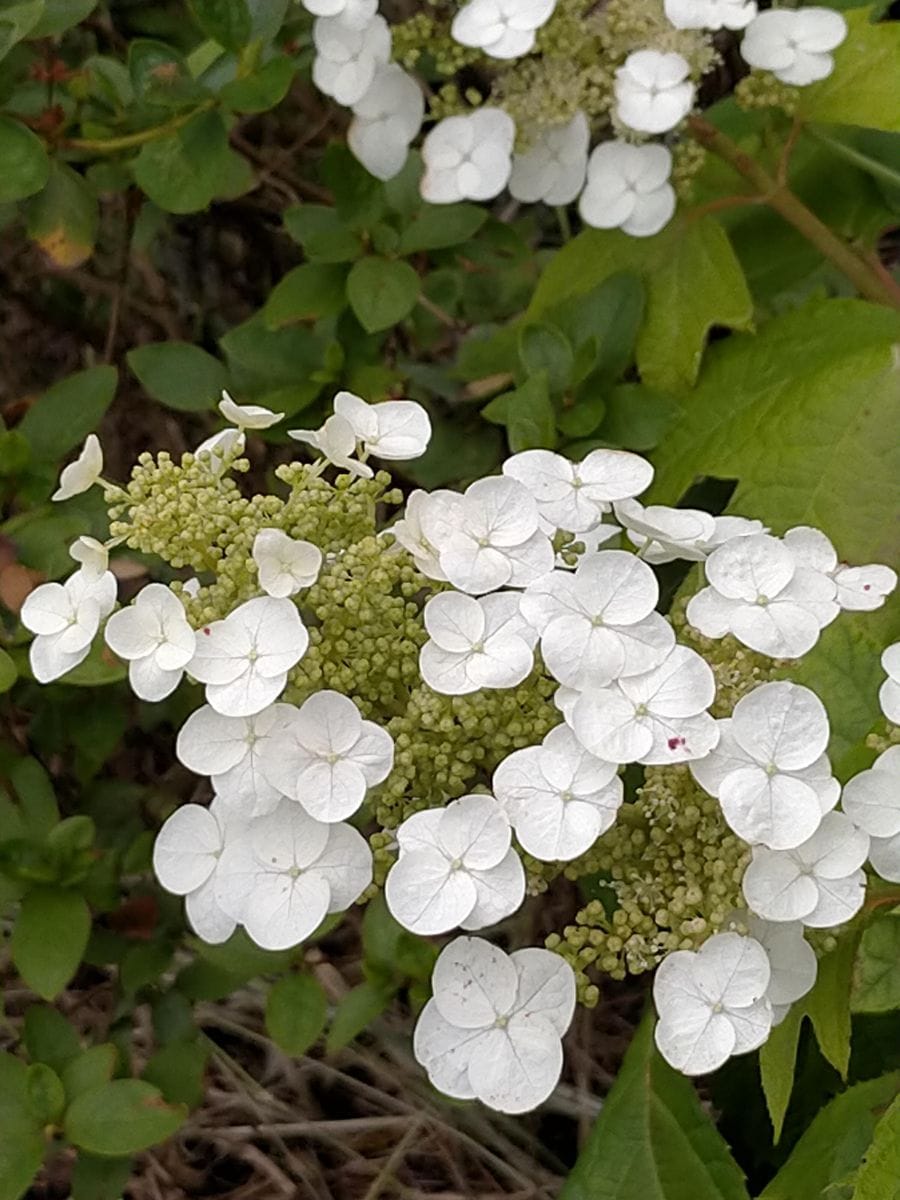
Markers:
point(248, 416)
point(287, 872)
point(427, 523)
point(492, 1030)
point(575, 495)
point(186, 857)
point(385, 121)
point(654, 718)
point(457, 866)
point(710, 14)
point(759, 593)
point(396, 429)
point(553, 167)
point(889, 692)
point(155, 639)
point(859, 589)
point(468, 157)
point(501, 28)
point(558, 797)
point(628, 188)
point(92, 556)
point(819, 882)
point(770, 771)
point(335, 441)
point(794, 44)
point(352, 12)
point(653, 91)
point(475, 644)
point(285, 565)
point(244, 659)
point(83, 473)
point(792, 962)
point(348, 55)
point(325, 756)
point(712, 1002)
point(664, 534)
point(65, 617)
point(598, 623)
point(871, 800)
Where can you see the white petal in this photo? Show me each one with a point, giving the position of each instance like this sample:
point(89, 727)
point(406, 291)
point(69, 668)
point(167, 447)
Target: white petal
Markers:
point(732, 970)
point(871, 800)
point(546, 987)
point(445, 1051)
point(282, 911)
point(839, 901)
point(454, 622)
point(778, 630)
point(445, 672)
point(518, 1067)
point(209, 743)
point(780, 811)
point(499, 892)
point(775, 888)
point(83, 473)
point(206, 917)
point(605, 723)
point(711, 612)
point(186, 849)
point(346, 865)
point(474, 983)
point(750, 567)
point(426, 895)
point(781, 723)
point(475, 830)
point(836, 848)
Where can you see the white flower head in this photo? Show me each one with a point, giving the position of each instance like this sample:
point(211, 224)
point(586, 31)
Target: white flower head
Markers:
point(475, 643)
point(710, 14)
point(356, 13)
point(244, 659)
point(712, 1002)
point(819, 882)
point(653, 91)
point(219, 447)
point(598, 623)
point(859, 589)
point(386, 119)
point(575, 495)
point(456, 867)
point(285, 565)
point(628, 188)
point(664, 534)
point(655, 718)
point(65, 617)
point(395, 429)
point(248, 416)
point(553, 167)
point(558, 797)
point(335, 441)
point(348, 55)
point(792, 962)
point(186, 857)
point(92, 556)
point(287, 872)
point(889, 692)
point(501, 28)
point(794, 44)
point(155, 639)
point(468, 157)
point(770, 771)
point(871, 800)
point(427, 523)
point(325, 756)
point(83, 473)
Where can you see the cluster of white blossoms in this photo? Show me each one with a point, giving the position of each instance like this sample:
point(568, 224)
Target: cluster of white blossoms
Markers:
point(624, 182)
point(280, 846)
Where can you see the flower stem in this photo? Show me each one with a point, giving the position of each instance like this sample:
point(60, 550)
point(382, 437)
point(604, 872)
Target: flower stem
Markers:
point(778, 196)
point(128, 141)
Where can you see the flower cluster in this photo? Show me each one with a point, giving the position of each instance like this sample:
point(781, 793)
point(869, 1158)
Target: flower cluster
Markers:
point(457, 690)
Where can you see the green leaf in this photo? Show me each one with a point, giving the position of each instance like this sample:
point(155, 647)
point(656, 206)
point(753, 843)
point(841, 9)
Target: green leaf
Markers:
point(862, 88)
point(60, 15)
point(63, 417)
point(435, 227)
point(828, 1004)
point(527, 413)
point(186, 171)
point(21, 1141)
point(17, 22)
point(777, 1061)
point(637, 418)
point(879, 1175)
point(26, 167)
point(179, 375)
point(91, 1069)
point(382, 292)
point(178, 1070)
point(159, 75)
point(49, 939)
point(49, 1038)
point(692, 278)
point(121, 1118)
point(653, 1141)
point(100, 1178)
point(8, 672)
point(64, 218)
point(307, 293)
point(322, 234)
point(545, 348)
point(609, 318)
point(266, 87)
point(46, 1097)
point(296, 1012)
point(225, 21)
point(37, 798)
point(356, 1011)
point(876, 975)
point(359, 198)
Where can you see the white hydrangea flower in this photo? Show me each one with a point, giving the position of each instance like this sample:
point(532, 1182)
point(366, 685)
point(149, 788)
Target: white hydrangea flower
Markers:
point(492, 1030)
point(155, 639)
point(792, 962)
point(819, 883)
point(219, 447)
point(244, 659)
point(628, 188)
point(655, 718)
point(889, 692)
point(356, 13)
point(665, 534)
point(871, 800)
point(92, 556)
point(325, 756)
point(575, 495)
point(710, 14)
point(559, 798)
point(186, 857)
point(456, 867)
point(385, 121)
point(653, 91)
point(287, 872)
point(859, 589)
point(335, 441)
point(475, 643)
point(396, 429)
point(348, 55)
point(83, 473)
point(770, 771)
point(65, 617)
point(794, 44)
point(248, 416)
point(712, 1002)
point(597, 623)
point(468, 157)
point(501, 28)
point(759, 593)
point(285, 565)
point(553, 167)
point(427, 523)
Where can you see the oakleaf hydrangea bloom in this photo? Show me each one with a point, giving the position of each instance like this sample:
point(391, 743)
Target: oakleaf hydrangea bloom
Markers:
point(558, 797)
point(553, 167)
point(475, 644)
point(653, 91)
point(792, 962)
point(386, 119)
point(628, 188)
point(248, 416)
point(325, 756)
point(492, 1030)
point(352, 12)
point(186, 857)
point(889, 693)
point(348, 55)
point(712, 1002)
point(429, 520)
point(285, 565)
point(575, 495)
point(819, 882)
point(710, 14)
point(83, 473)
point(396, 429)
point(456, 867)
point(859, 589)
point(871, 800)
point(501, 28)
point(794, 44)
point(244, 659)
point(770, 771)
point(154, 637)
point(336, 443)
point(65, 617)
point(468, 157)
point(287, 872)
